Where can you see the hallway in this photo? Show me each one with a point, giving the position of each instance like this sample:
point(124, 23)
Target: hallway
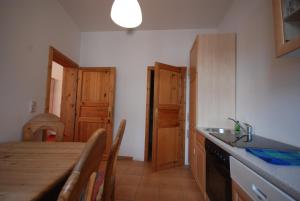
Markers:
point(136, 182)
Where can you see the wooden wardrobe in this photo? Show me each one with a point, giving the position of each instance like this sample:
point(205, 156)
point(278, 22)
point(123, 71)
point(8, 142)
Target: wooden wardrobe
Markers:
point(95, 103)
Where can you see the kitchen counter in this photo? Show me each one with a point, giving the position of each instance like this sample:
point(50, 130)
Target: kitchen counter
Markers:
point(286, 178)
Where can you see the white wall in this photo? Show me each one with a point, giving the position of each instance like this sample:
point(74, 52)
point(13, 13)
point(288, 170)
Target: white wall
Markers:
point(27, 29)
point(268, 88)
point(131, 53)
point(57, 75)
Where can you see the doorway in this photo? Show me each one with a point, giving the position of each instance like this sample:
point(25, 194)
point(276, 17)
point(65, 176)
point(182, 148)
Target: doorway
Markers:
point(149, 114)
point(61, 91)
point(165, 116)
point(56, 89)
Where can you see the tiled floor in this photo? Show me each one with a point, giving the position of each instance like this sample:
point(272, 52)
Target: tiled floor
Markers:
point(136, 182)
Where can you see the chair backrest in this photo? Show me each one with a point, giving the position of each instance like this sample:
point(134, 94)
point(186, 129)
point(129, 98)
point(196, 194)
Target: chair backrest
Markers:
point(45, 121)
point(110, 173)
point(87, 164)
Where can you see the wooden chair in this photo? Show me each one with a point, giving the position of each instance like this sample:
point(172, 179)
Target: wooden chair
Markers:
point(75, 187)
point(103, 184)
point(45, 121)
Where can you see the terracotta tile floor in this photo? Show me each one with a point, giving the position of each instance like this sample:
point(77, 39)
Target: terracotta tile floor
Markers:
point(136, 182)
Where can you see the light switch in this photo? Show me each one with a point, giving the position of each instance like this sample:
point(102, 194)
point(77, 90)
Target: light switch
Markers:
point(32, 106)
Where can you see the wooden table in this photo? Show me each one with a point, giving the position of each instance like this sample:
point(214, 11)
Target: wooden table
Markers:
point(28, 170)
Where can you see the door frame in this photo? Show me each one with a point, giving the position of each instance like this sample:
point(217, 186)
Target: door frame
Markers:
point(149, 69)
point(183, 70)
point(60, 58)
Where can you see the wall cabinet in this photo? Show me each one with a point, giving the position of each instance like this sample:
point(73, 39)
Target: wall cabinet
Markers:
point(287, 26)
point(238, 194)
point(214, 56)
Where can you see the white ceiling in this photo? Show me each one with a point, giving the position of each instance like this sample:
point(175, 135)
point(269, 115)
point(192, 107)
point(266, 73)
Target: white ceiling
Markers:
point(94, 15)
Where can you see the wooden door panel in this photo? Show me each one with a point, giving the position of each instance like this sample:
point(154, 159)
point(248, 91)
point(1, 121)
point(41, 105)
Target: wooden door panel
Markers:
point(167, 147)
point(94, 112)
point(95, 103)
point(86, 129)
point(169, 92)
point(169, 117)
point(68, 102)
point(95, 88)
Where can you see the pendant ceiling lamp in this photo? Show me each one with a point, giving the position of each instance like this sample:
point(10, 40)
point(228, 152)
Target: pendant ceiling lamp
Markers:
point(126, 13)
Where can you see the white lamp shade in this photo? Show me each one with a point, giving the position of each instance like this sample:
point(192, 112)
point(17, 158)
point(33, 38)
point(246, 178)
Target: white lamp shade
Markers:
point(126, 13)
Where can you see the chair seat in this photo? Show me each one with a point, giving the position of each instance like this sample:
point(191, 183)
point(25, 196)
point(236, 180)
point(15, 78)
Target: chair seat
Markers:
point(51, 138)
point(98, 186)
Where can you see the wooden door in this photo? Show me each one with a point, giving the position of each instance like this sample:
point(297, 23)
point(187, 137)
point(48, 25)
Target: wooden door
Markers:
point(169, 116)
point(68, 102)
point(69, 91)
point(95, 103)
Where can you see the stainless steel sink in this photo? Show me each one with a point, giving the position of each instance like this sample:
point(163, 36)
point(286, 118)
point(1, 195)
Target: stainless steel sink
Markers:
point(226, 135)
point(219, 130)
point(240, 140)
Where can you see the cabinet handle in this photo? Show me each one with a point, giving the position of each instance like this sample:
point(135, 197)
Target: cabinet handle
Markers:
point(258, 193)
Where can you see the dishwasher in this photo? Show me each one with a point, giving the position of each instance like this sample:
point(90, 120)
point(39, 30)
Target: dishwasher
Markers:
point(218, 181)
point(258, 188)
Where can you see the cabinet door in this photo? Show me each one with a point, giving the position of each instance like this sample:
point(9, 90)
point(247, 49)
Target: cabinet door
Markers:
point(239, 194)
point(192, 152)
point(287, 26)
point(95, 103)
point(200, 168)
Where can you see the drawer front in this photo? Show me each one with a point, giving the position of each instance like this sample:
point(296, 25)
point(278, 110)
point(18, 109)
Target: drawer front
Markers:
point(256, 187)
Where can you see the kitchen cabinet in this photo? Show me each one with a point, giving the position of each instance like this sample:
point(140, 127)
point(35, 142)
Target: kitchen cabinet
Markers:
point(196, 139)
point(213, 67)
point(212, 93)
point(238, 194)
point(287, 26)
point(192, 106)
point(200, 162)
point(192, 153)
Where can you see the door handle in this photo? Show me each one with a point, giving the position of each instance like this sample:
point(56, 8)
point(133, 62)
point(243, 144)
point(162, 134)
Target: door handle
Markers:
point(258, 193)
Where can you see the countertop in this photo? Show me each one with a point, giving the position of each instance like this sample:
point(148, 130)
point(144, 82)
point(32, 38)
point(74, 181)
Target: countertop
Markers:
point(286, 178)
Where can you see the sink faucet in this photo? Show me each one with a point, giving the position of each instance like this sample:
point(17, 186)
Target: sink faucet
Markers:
point(235, 121)
point(248, 130)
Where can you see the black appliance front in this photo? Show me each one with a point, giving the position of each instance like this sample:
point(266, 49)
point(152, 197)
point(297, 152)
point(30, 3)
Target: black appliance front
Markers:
point(218, 181)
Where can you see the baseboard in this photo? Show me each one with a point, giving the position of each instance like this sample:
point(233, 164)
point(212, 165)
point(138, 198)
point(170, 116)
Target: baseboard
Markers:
point(130, 158)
